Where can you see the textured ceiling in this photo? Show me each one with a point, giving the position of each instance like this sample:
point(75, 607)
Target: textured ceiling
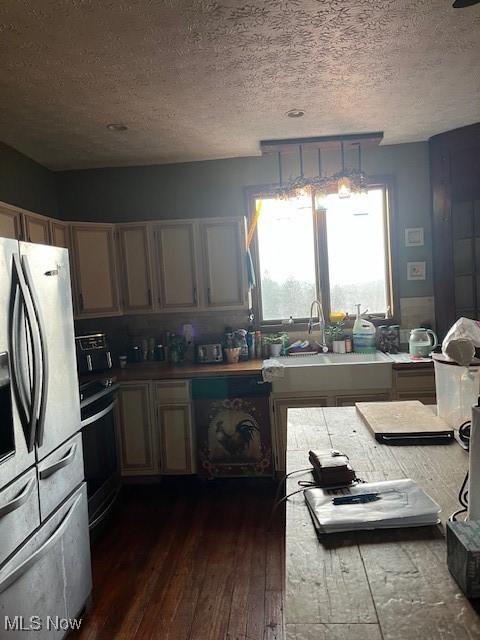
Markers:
point(198, 79)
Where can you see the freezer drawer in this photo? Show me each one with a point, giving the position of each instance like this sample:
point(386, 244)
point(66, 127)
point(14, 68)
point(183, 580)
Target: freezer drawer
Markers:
point(48, 581)
point(59, 474)
point(19, 513)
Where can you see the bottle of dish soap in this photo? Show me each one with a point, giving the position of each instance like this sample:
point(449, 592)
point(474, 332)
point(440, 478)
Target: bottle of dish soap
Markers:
point(363, 335)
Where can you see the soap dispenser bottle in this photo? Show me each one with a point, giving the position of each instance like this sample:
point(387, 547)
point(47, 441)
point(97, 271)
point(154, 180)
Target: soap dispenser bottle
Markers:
point(363, 335)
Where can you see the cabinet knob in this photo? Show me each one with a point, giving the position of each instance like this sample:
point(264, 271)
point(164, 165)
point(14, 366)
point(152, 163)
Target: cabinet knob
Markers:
point(195, 295)
point(209, 296)
point(80, 299)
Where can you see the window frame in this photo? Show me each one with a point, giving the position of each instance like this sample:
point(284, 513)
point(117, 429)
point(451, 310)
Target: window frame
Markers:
point(387, 184)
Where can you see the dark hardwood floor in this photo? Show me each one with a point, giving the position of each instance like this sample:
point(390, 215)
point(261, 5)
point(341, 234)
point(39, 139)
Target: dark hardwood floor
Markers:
point(190, 561)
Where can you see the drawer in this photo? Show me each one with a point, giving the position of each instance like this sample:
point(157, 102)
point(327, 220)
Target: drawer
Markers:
point(414, 381)
point(19, 512)
point(172, 391)
point(59, 474)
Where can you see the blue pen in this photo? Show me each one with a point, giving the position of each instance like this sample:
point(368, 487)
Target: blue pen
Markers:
point(356, 499)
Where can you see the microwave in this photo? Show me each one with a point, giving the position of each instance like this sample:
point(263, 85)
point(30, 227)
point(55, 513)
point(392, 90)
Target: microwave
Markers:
point(93, 353)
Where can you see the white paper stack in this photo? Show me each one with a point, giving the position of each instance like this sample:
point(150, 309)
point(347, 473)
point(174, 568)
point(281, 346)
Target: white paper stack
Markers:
point(399, 503)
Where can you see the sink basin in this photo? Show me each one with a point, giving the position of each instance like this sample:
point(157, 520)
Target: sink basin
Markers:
point(332, 358)
point(320, 372)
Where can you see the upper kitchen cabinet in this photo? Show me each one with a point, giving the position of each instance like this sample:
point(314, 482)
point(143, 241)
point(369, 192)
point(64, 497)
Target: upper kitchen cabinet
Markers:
point(10, 222)
point(137, 285)
point(36, 228)
point(59, 234)
point(176, 259)
point(95, 269)
point(223, 254)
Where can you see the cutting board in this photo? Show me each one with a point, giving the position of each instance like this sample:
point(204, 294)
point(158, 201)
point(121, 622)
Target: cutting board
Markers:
point(407, 422)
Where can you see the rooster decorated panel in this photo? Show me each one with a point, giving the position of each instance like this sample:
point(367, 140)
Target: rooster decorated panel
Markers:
point(233, 432)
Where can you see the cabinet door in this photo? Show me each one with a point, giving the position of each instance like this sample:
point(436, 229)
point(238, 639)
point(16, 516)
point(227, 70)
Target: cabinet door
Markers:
point(135, 265)
point(351, 399)
point(176, 439)
point(95, 270)
point(10, 223)
point(36, 229)
point(137, 453)
point(59, 234)
point(176, 266)
point(223, 248)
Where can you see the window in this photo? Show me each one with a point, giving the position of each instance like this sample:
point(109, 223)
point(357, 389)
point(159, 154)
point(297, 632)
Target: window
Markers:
point(340, 254)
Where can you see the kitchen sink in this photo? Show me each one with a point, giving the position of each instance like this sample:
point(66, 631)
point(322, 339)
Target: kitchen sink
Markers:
point(316, 359)
point(321, 372)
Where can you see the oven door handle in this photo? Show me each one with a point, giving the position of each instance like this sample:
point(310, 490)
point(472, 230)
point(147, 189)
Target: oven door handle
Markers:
point(60, 464)
point(99, 415)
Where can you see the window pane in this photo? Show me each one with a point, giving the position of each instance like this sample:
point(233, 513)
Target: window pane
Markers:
point(287, 258)
point(356, 252)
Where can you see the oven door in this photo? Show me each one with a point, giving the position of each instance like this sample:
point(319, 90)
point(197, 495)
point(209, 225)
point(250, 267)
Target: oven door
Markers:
point(100, 456)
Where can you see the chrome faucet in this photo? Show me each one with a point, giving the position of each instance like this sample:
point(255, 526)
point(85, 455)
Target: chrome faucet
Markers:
point(320, 324)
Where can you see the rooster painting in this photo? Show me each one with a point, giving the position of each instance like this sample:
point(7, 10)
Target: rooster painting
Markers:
point(234, 436)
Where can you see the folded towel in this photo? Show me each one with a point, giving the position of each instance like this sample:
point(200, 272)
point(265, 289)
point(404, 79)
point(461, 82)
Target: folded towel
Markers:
point(272, 368)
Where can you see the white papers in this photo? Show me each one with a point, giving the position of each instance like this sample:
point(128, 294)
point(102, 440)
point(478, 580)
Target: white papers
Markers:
point(400, 503)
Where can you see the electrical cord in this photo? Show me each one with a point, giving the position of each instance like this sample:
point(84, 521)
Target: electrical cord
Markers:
point(464, 434)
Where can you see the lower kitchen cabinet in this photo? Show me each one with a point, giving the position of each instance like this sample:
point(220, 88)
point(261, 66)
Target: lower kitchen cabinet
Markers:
point(350, 400)
point(156, 432)
point(414, 385)
point(137, 449)
point(174, 427)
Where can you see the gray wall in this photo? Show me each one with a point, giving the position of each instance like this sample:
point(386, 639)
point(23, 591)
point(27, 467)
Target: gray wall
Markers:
point(26, 183)
point(216, 188)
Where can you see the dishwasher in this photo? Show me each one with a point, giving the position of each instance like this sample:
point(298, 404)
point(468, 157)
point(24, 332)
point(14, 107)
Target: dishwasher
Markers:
point(232, 418)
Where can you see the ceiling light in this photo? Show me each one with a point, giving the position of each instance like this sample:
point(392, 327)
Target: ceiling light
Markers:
point(295, 113)
point(117, 126)
point(461, 4)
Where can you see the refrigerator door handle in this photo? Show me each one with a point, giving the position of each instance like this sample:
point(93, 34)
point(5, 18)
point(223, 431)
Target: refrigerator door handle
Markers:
point(19, 500)
point(60, 464)
point(43, 384)
point(19, 387)
point(19, 278)
point(17, 573)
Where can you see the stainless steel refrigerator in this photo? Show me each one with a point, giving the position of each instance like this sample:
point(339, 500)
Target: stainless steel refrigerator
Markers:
point(45, 575)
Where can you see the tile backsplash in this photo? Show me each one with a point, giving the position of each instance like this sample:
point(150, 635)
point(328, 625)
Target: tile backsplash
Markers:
point(124, 331)
point(417, 312)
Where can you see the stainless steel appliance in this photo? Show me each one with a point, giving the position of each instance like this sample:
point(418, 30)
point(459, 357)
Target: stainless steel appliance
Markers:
point(102, 471)
point(209, 353)
point(93, 353)
point(44, 541)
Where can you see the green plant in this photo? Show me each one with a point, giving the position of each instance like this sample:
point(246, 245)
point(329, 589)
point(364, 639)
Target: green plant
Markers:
point(232, 340)
point(177, 345)
point(335, 331)
point(276, 338)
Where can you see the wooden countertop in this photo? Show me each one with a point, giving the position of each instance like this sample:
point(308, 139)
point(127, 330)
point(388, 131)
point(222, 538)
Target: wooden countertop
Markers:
point(157, 371)
point(380, 584)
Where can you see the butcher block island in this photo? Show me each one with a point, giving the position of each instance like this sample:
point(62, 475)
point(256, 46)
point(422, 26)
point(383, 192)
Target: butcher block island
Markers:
point(372, 585)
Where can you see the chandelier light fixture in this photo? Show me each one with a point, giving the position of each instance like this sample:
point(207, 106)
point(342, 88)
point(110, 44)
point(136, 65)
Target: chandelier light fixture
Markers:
point(345, 182)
